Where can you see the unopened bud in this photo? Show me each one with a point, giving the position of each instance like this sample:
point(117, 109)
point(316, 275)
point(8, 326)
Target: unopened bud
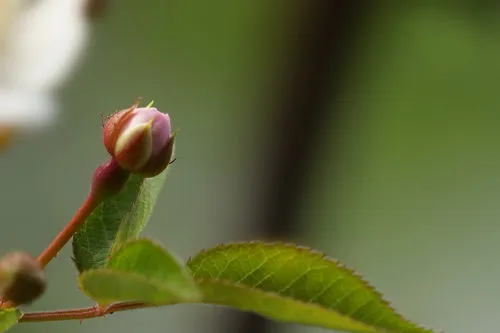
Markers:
point(140, 140)
point(22, 279)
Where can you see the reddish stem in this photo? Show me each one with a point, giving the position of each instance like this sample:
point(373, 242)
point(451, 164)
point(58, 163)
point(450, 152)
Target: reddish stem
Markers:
point(69, 230)
point(80, 314)
point(108, 180)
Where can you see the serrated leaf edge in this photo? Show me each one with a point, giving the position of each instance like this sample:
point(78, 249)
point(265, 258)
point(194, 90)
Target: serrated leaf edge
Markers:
point(232, 284)
point(319, 254)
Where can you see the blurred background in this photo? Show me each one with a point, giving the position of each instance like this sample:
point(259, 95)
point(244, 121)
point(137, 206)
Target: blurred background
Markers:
point(368, 132)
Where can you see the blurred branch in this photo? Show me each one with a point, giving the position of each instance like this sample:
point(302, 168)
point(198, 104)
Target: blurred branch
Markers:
point(82, 313)
point(95, 8)
point(315, 68)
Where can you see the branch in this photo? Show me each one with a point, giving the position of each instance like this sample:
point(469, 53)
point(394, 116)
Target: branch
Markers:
point(108, 180)
point(69, 230)
point(82, 313)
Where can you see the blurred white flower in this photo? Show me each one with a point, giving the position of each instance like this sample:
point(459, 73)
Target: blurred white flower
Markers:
point(40, 42)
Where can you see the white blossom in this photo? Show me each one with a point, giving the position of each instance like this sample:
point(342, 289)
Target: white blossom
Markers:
point(40, 42)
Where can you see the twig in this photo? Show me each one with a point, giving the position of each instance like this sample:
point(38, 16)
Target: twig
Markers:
point(69, 230)
point(81, 313)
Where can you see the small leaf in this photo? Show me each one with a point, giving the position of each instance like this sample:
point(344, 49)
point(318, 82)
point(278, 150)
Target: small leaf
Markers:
point(8, 318)
point(115, 221)
point(294, 284)
point(107, 286)
point(152, 261)
point(140, 271)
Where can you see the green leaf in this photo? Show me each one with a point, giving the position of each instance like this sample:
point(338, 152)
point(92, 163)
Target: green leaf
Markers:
point(152, 261)
point(8, 318)
point(115, 221)
point(294, 284)
point(140, 271)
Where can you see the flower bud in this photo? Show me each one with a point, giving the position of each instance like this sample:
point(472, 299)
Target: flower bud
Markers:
point(22, 279)
point(140, 140)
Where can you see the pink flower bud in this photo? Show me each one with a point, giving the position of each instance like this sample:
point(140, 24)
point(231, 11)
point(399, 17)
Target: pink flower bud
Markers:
point(22, 279)
point(140, 140)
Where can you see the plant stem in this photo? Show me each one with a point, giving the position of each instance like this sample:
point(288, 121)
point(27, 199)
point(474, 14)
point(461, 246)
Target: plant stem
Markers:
point(108, 180)
point(82, 313)
point(65, 235)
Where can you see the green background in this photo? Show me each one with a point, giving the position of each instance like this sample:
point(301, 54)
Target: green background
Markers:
point(412, 205)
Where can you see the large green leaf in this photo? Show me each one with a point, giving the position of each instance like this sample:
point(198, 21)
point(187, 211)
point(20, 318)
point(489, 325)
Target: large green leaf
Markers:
point(8, 318)
point(140, 271)
point(116, 220)
point(294, 284)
